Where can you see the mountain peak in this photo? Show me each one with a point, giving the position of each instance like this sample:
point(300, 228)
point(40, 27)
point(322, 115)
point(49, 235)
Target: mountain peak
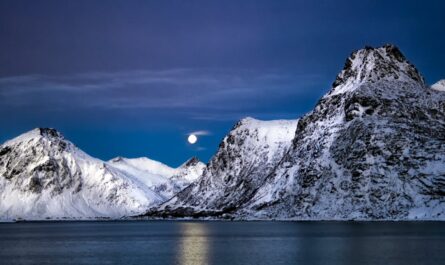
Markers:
point(386, 63)
point(117, 159)
point(49, 132)
point(439, 86)
point(191, 162)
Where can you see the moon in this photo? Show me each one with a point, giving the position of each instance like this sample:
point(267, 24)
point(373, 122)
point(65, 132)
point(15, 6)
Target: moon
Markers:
point(192, 139)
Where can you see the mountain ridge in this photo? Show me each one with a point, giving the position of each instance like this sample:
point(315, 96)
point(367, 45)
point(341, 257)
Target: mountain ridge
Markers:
point(44, 176)
point(346, 159)
point(373, 148)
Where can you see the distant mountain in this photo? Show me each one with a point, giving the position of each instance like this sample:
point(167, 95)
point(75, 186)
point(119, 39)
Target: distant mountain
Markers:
point(373, 148)
point(44, 176)
point(164, 180)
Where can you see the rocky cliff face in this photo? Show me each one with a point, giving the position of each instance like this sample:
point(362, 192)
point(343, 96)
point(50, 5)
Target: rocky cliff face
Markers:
point(373, 148)
point(246, 156)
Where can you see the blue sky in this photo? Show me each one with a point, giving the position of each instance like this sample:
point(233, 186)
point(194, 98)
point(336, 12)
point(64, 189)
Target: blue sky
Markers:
point(133, 78)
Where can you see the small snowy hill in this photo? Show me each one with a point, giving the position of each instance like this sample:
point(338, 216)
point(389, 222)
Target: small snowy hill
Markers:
point(164, 180)
point(44, 176)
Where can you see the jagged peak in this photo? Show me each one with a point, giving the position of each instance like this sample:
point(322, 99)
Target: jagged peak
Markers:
point(256, 123)
point(49, 134)
point(191, 162)
point(245, 120)
point(439, 85)
point(44, 132)
point(386, 63)
point(117, 159)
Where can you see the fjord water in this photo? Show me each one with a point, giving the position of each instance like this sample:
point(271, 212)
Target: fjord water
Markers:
point(192, 242)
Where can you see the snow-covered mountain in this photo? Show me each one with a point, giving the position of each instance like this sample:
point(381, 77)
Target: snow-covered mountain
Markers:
point(42, 175)
point(372, 148)
point(246, 156)
point(187, 173)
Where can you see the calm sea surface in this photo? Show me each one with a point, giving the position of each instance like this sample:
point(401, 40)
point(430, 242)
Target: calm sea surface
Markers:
point(228, 243)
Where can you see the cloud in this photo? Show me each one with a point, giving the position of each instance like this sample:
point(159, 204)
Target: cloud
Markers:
point(201, 133)
point(191, 93)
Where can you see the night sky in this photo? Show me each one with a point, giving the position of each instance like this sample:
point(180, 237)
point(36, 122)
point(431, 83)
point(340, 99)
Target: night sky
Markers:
point(133, 78)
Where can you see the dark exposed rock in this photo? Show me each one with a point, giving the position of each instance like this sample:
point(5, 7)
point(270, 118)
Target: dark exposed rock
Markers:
point(49, 132)
point(5, 150)
point(48, 166)
point(192, 162)
point(35, 185)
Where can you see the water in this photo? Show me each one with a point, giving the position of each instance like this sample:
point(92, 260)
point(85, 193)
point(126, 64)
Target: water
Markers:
point(228, 243)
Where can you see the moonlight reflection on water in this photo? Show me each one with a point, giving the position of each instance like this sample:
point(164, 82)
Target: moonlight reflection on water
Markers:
point(194, 244)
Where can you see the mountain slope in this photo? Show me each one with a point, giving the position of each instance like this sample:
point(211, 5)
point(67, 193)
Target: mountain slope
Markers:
point(245, 157)
point(42, 175)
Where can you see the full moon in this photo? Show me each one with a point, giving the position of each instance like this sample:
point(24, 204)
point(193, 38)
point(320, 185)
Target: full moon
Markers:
point(192, 138)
